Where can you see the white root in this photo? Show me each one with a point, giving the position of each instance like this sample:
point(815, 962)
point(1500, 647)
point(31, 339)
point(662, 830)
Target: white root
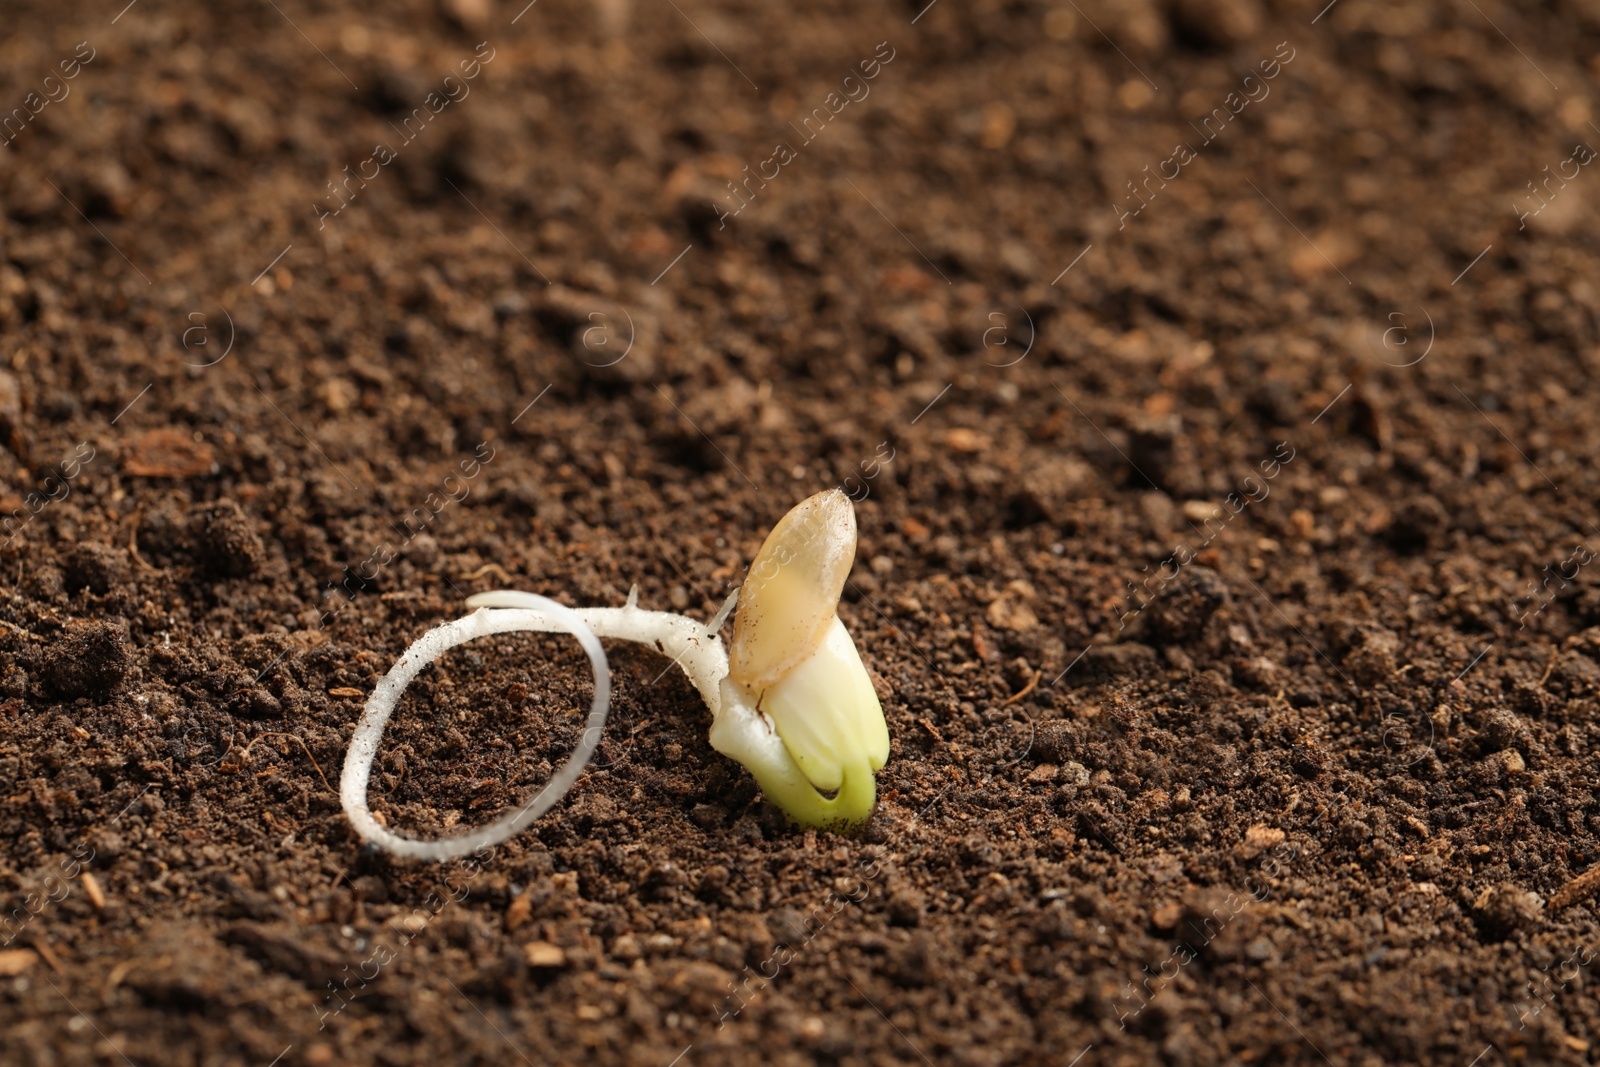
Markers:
point(542, 615)
point(692, 645)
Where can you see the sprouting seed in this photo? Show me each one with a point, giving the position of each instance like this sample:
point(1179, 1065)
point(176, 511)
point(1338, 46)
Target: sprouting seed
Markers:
point(793, 703)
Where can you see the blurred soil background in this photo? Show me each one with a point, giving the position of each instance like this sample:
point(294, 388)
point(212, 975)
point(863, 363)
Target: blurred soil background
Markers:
point(1216, 379)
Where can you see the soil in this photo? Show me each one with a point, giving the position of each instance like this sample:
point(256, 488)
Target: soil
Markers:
point(1215, 379)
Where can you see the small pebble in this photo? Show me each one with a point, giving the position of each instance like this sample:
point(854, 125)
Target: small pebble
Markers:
point(1259, 838)
point(544, 954)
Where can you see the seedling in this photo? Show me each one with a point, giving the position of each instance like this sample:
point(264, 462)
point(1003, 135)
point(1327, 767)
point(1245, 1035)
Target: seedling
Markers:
point(790, 698)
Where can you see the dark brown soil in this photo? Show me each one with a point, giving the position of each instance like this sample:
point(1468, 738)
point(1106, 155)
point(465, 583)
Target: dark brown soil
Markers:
point(1324, 404)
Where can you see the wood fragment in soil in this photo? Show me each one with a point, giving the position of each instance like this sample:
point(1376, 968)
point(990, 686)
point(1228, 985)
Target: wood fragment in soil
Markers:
point(91, 887)
point(118, 973)
point(16, 960)
point(42, 947)
point(168, 453)
point(1579, 888)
